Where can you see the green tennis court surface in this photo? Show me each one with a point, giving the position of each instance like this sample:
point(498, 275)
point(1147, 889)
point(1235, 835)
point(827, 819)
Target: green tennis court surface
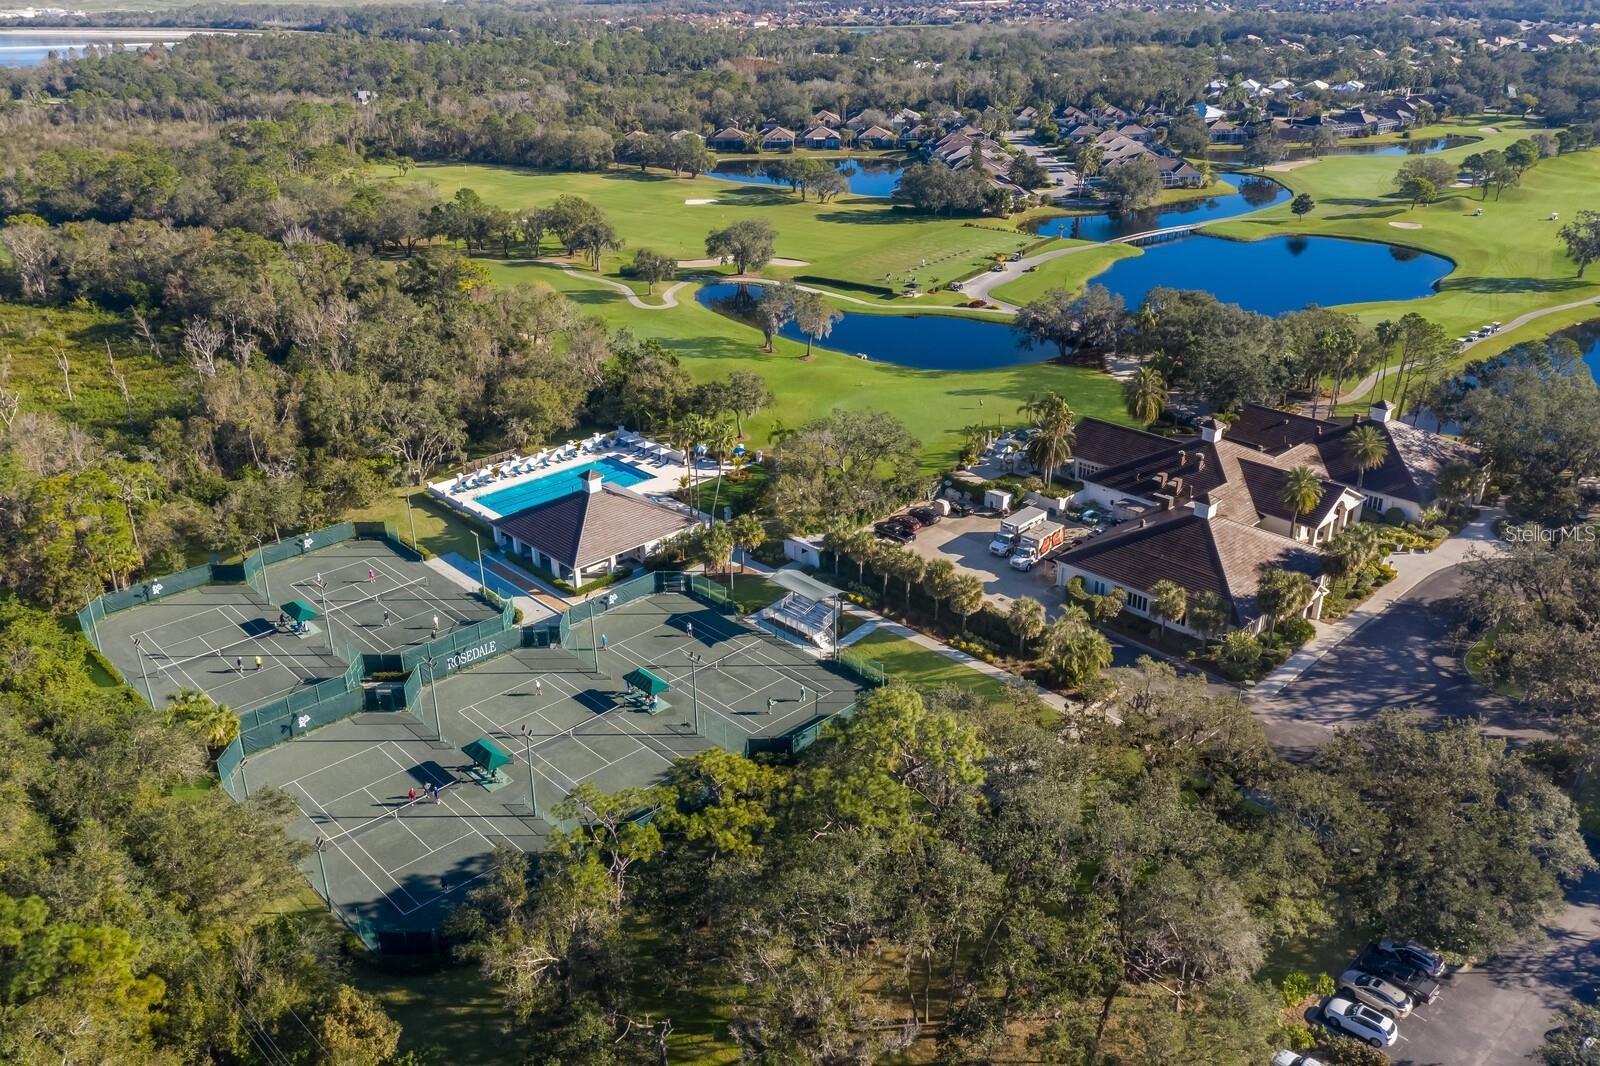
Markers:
point(394, 864)
point(369, 598)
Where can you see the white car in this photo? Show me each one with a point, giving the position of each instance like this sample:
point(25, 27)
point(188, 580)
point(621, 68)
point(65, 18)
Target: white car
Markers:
point(1294, 1058)
point(1374, 991)
point(1346, 1016)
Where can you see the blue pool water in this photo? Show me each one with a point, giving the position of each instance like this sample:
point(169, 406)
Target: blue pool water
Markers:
point(866, 177)
point(1247, 194)
point(520, 497)
point(1278, 274)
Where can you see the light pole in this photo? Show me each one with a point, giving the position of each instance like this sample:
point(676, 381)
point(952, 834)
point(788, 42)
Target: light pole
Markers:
point(327, 616)
point(412, 522)
point(320, 846)
point(433, 690)
point(138, 649)
point(694, 688)
point(527, 757)
point(266, 583)
point(482, 583)
point(594, 641)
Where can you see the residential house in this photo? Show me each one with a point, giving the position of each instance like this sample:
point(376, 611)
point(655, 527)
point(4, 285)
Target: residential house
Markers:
point(777, 139)
point(1026, 118)
point(1352, 86)
point(821, 137)
point(591, 532)
point(1222, 131)
point(877, 137)
point(825, 118)
point(729, 139)
point(905, 118)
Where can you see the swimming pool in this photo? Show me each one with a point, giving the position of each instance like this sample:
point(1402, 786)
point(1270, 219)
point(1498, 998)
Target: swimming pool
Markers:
point(520, 497)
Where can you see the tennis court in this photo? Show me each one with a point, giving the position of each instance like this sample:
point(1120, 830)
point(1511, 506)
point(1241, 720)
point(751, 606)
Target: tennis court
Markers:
point(231, 642)
point(552, 712)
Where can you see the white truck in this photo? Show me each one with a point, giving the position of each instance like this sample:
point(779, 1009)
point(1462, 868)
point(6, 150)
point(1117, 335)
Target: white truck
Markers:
point(1036, 543)
point(1012, 527)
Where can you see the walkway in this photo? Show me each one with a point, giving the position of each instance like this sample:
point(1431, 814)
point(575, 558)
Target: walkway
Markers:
point(669, 295)
point(1411, 570)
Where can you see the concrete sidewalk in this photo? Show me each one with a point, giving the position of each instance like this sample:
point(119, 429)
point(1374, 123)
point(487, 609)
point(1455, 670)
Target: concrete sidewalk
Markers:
point(1410, 570)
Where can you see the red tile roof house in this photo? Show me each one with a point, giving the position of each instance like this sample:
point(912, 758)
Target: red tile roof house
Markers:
point(589, 533)
point(731, 139)
point(778, 139)
point(1207, 513)
point(821, 137)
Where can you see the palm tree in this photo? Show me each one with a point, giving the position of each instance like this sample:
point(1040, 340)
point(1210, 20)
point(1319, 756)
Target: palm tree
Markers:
point(909, 568)
point(1145, 394)
point(966, 596)
point(1054, 420)
point(1352, 551)
point(937, 579)
point(748, 533)
point(215, 722)
point(1368, 449)
point(859, 546)
point(882, 558)
point(1026, 620)
point(1302, 491)
point(836, 539)
point(1168, 601)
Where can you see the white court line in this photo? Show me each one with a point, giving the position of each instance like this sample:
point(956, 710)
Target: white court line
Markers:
point(192, 682)
point(427, 591)
point(397, 818)
point(356, 843)
point(732, 715)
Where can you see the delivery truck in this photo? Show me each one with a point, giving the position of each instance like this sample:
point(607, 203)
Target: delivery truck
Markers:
point(1012, 527)
point(1036, 543)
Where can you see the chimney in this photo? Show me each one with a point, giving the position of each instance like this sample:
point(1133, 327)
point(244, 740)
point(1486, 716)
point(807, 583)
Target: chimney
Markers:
point(1183, 456)
point(1200, 462)
point(1211, 430)
point(1382, 411)
point(1205, 507)
point(1177, 488)
point(1161, 479)
point(592, 481)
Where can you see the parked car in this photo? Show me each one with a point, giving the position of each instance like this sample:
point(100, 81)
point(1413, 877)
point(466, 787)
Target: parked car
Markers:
point(995, 268)
point(1360, 1021)
point(894, 531)
point(1375, 992)
point(908, 520)
point(959, 509)
point(1419, 956)
point(1294, 1058)
point(1413, 982)
point(926, 515)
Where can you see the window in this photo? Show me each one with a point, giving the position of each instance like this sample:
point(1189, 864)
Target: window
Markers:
point(1138, 602)
point(1097, 586)
point(1376, 503)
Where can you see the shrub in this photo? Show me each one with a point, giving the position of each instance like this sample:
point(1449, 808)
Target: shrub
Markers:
point(1348, 1051)
point(1298, 985)
point(1296, 631)
point(1395, 516)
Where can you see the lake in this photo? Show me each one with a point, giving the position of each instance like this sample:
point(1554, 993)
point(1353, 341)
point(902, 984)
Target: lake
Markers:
point(923, 342)
point(1268, 276)
point(31, 48)
point(866, 177)
point(1411, 146)
point(1278, 274)
point(1587, 336)
point(1245, 194)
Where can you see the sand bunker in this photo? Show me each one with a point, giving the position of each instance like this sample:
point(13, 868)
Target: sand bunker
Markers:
point(697, 203)
point(1293, 164)
point(1488, 129)
point(777, 261)
point(1406, 225)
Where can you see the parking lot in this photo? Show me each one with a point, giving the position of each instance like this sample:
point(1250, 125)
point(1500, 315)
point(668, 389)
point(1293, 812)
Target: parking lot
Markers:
point(965, 542)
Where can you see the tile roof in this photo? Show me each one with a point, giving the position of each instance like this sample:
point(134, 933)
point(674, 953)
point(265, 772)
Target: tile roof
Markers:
point(1109, 444)
point(1216, 556)
point(589, 527)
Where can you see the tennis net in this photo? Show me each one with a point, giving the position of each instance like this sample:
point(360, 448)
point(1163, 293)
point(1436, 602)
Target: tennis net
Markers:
point(394, 813)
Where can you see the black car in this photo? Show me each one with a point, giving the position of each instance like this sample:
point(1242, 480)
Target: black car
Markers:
point(926, 515)
point(959, 509)
point(1397, 971)
point(1421, 956)
point(895, 531)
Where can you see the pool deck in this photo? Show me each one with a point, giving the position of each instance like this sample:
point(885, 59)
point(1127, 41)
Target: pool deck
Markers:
point(667, 470)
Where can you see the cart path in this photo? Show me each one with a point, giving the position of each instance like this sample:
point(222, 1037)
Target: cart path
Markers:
point(1365, 385)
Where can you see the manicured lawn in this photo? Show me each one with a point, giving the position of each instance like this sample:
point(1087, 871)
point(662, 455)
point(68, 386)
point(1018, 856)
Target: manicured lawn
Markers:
point(904, 660)
point(1071, 271)
point(452, 1015)
point(851, 242)
point(439, 529)
point(936, 406)
point(1507, 262)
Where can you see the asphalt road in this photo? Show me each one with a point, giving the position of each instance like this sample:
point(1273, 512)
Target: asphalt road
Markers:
point(1498, 1012)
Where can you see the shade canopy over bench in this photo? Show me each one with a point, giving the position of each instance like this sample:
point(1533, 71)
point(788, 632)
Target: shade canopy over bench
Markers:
point(645, 682)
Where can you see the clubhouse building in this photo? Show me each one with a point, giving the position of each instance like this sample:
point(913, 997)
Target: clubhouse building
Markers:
point(1207, 512)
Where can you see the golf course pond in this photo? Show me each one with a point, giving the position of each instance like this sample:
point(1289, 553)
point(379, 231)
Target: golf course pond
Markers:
point(866, 177)
point(1410, 146)
point(1245, 194)
point(1587, 337)
point(1268, 276)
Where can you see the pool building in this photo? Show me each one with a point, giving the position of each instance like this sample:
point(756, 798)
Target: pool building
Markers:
point(581, 511)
